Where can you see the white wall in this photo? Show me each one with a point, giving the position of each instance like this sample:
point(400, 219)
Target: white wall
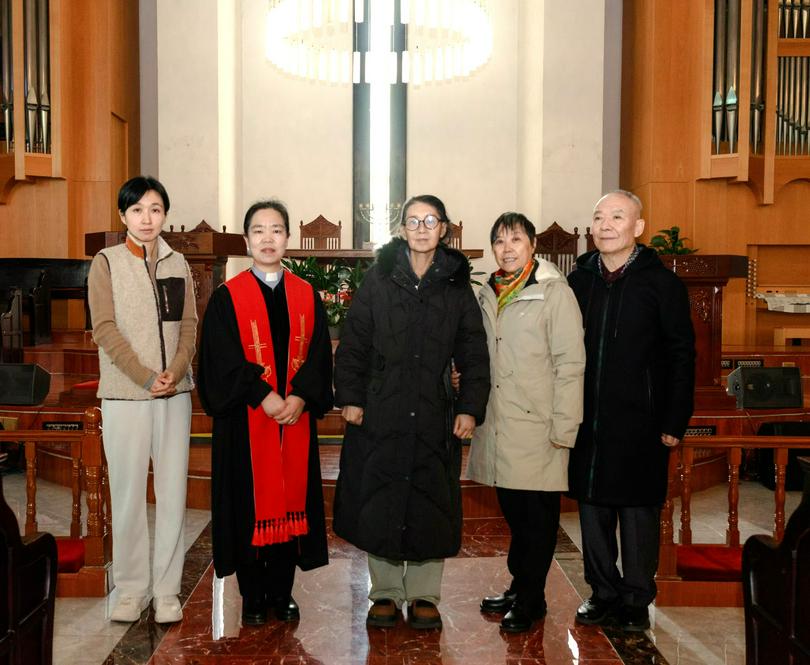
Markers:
point(524, 133)
point(297, 135)
point(187, 109)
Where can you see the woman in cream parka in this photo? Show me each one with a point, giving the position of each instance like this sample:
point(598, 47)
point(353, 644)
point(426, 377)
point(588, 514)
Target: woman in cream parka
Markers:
point(537, 362)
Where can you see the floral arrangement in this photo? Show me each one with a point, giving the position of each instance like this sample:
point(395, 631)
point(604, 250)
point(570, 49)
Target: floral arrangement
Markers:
point(335, 282)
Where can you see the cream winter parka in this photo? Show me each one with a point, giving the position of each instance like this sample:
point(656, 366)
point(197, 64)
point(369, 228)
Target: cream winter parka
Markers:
point(537, 363)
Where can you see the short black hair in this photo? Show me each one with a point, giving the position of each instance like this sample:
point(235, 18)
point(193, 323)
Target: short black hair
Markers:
point(267, 204)
point(133, 190)
point(430, 200)
point(510, 220)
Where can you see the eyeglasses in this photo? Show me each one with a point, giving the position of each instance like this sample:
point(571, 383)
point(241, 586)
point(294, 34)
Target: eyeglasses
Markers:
point(430, 222)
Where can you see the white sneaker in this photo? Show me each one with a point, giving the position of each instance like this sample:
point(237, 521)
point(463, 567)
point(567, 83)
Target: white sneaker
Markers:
point(167, 609)
point(129, 608)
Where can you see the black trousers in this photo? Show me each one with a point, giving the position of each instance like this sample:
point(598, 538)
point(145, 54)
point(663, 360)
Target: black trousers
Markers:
point(533, 518)
point(271, 575)
point(638, 531)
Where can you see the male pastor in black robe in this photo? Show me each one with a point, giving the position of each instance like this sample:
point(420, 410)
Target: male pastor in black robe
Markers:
point(228, 384)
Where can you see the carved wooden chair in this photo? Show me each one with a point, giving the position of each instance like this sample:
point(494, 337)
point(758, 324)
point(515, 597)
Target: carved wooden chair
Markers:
point(555, 244)
point(320, 233)
point(28, 592)
point(454, 232)
point(589, 243)
point(776, 590)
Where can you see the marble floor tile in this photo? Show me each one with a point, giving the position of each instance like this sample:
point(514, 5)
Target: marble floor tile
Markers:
point(334, 604)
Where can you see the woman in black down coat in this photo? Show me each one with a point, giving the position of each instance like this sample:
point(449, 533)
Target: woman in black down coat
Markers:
point(398, 494)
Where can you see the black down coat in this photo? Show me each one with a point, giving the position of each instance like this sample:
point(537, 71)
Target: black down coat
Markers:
point(398, 494)
point(639, 380)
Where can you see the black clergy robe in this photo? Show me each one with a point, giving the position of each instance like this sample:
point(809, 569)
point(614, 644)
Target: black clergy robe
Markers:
point(227, 383)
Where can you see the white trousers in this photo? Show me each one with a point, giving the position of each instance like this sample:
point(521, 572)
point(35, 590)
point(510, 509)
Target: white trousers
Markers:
point(133, 432)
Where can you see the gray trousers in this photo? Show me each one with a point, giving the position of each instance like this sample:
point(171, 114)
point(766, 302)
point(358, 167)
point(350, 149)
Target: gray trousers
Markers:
point(639, 534)
point(405, 581)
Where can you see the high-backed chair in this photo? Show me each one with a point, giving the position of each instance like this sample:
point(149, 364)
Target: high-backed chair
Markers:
point(454, 232)
point(555, 244)
point(776, 590)
point(27, 592)
point(589, 243)
point(320, 233)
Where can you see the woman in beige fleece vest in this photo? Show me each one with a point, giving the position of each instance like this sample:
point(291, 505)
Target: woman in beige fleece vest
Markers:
point(144, 322)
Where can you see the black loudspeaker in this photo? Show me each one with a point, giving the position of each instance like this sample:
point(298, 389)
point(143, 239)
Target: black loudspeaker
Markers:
point(23, 385)
point(766, 387)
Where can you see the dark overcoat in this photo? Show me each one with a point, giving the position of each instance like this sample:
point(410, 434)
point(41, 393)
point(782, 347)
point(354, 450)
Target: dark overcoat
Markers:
point(398, 494)
point(639, 380)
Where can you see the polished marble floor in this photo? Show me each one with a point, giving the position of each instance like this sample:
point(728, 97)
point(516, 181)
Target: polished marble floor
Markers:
point(333, 605)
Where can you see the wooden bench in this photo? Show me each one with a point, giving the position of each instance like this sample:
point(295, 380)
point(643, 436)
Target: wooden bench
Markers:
point(40, 281)
point(783, 334)
point(11, 329)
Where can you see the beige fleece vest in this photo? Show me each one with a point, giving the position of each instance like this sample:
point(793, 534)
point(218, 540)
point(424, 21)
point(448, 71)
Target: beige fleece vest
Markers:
point(138, 318)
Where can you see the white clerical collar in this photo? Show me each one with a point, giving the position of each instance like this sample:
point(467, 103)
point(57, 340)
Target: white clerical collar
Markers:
point(270, 278)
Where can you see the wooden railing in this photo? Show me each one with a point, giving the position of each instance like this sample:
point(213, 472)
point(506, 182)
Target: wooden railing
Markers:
point(88, 473)
point(672, 589)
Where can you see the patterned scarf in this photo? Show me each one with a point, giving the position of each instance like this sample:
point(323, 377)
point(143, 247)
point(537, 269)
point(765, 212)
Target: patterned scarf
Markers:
point(508, 286)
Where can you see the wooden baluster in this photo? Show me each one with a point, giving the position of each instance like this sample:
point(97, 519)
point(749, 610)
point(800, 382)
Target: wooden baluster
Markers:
point(667, 554)
point(780, 458)
point(30, 487)
point(688, 456)
point(95, 545)
point(76, 465)
point(733, 531)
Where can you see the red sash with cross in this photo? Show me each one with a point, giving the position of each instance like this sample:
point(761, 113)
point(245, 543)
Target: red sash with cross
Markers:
point(279, 454)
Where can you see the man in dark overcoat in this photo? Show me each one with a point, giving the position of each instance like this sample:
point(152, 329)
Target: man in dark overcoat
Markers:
point(639, 385)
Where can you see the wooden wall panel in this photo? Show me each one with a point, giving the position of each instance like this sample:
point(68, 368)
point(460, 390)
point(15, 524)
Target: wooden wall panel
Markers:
point(89, 90)
point(637, 95)
point(32, 222)
point(125, 86)
point(90, 205)
point(664, 66)
point(97, 69)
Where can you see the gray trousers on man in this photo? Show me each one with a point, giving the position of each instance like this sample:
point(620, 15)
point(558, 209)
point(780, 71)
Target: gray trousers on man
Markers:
point(638, 526)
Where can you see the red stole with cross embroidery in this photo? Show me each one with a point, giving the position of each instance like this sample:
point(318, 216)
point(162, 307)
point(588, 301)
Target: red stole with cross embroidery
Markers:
point(279, 455)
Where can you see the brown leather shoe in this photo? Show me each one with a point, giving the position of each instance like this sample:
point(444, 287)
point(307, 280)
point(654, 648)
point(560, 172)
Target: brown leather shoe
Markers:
point(382, 614)
point(423, 614)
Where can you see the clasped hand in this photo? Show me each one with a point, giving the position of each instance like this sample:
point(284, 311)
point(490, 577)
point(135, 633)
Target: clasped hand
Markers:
point(283, 411)
point(164, 385)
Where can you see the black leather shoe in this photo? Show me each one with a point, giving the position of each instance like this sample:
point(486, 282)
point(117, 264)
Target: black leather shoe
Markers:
point(632, 619)
point(254, 612)
point(286, 609)
point(498, 604)
point(595, 611)
point(520, 619)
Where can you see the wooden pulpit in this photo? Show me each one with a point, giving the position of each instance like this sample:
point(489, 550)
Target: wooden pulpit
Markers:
point(705, 275)
point(205, 249)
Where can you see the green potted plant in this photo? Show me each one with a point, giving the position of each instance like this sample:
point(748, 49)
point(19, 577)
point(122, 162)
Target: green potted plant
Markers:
point(336, 284)
point(669, 241)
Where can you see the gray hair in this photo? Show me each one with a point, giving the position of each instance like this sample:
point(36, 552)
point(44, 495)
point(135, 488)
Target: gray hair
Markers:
point(629, 195)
